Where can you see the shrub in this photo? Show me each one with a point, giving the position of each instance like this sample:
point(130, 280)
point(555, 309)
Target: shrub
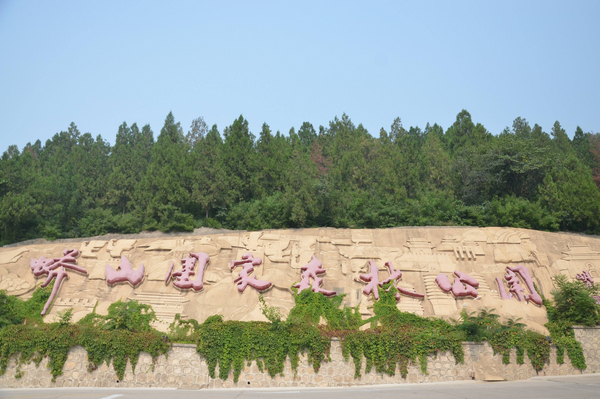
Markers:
point(130, 315)
point(573, 302)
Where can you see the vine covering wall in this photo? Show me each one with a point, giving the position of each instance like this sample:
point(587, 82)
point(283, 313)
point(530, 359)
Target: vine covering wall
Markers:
point(182, 367)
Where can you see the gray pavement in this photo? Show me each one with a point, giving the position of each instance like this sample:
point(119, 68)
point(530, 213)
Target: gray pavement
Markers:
point(567, 387)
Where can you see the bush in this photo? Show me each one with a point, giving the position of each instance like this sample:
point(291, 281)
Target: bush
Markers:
point(183, 330)
point(573, 303)
point(118, 337)
point(311, 307)
point(130, 315)
point(13, 310)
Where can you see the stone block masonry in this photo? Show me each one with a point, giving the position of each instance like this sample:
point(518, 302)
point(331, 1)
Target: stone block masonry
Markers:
point(185, 369)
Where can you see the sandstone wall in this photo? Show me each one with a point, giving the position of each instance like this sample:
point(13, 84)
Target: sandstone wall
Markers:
point(420, 254)
point(183, 368)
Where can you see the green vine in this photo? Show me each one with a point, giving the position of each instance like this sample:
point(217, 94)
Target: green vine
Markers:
point(574, 304)
point(563, 338)
point(229, 344)
point(394, 340)
point(118, 337)
point(535, 344)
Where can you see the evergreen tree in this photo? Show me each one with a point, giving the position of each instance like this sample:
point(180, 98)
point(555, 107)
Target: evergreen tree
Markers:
point(164, 189)
point(238, 161)
point(561, 141)
point(206, 174)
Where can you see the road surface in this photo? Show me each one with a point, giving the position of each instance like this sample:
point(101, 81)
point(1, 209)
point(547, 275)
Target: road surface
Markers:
point(564, 387)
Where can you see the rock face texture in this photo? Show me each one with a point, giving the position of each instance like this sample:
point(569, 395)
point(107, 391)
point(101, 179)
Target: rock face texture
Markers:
point(184, 369)
point(439, 270)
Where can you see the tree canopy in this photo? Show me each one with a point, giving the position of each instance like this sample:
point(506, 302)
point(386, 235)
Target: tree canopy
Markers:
point(78, 185)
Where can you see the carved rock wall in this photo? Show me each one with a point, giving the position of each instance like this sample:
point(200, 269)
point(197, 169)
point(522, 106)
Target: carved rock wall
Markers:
point(419, 255)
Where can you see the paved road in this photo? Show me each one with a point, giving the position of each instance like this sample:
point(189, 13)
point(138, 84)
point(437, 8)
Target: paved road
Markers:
point(582, 387)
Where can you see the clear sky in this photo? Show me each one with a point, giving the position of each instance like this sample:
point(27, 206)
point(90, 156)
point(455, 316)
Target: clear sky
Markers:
point(99, 63)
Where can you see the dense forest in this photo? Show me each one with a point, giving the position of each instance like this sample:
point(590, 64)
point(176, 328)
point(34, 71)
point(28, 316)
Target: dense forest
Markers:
point(76, 185)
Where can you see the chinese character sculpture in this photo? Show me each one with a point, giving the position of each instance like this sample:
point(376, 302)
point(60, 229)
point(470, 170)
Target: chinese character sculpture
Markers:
point(515, 285)
point(248, 262)
point(586, 278)
point(125, 273)
point(464, 285)
point(372, 279)
point(395, 275)
point(312, 270)
point(55, 269)
point(182, 276)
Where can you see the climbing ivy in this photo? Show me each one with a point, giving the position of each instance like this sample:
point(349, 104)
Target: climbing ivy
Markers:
point(313, 308)
point(108, 338)
point(397, 337)
point(563, 338)
point(14, 310)
point(574, 304)
point(119, 346)
point(33, 343)
point(394, 338)
point(503, 337)
point(232, 343)
point(535, 344)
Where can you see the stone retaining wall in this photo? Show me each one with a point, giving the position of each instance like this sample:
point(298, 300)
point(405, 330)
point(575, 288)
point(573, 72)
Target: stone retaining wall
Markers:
point(183, 368)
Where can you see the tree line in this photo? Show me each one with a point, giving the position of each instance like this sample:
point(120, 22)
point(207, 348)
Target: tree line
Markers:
point(76, 185)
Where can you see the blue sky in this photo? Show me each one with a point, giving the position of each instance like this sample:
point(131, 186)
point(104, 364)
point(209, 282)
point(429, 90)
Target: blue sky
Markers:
point(99, 63)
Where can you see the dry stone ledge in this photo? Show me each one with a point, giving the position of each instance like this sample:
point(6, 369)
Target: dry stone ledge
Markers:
point(185, 369)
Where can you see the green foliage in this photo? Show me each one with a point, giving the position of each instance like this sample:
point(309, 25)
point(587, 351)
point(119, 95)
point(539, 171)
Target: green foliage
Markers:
point(573, 305)
point(9, 313)
point(183, 330)
point(398, 337)
point(536, 345)
point(273, 314)
point(503, 337)
point(563, 338)
point(120, 343)
point(65, 317)
point(13, 310)
point(230, 344)
point(76, 185)
point(574, 302)
point(394, 340)
point(402, 337)
point(120, 346)
point(130, 315)
point(312, 307)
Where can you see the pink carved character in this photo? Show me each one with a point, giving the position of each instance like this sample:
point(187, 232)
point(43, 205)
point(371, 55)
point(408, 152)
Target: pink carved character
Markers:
point(125, 273)
point(55, 269)
point(464, 285)
point(589, 281)
point(248, 262)
point(514, 284)
point(182, 276)
point(395, 275)
point(586, 278)
point(524, 273)
point(502, 290)
point(372, 279)
point(512, 277)
point(312, 270)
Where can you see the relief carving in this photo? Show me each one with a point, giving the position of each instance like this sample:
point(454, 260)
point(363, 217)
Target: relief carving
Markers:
point(91, 248)
point(410, 258)
point(117, 247)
